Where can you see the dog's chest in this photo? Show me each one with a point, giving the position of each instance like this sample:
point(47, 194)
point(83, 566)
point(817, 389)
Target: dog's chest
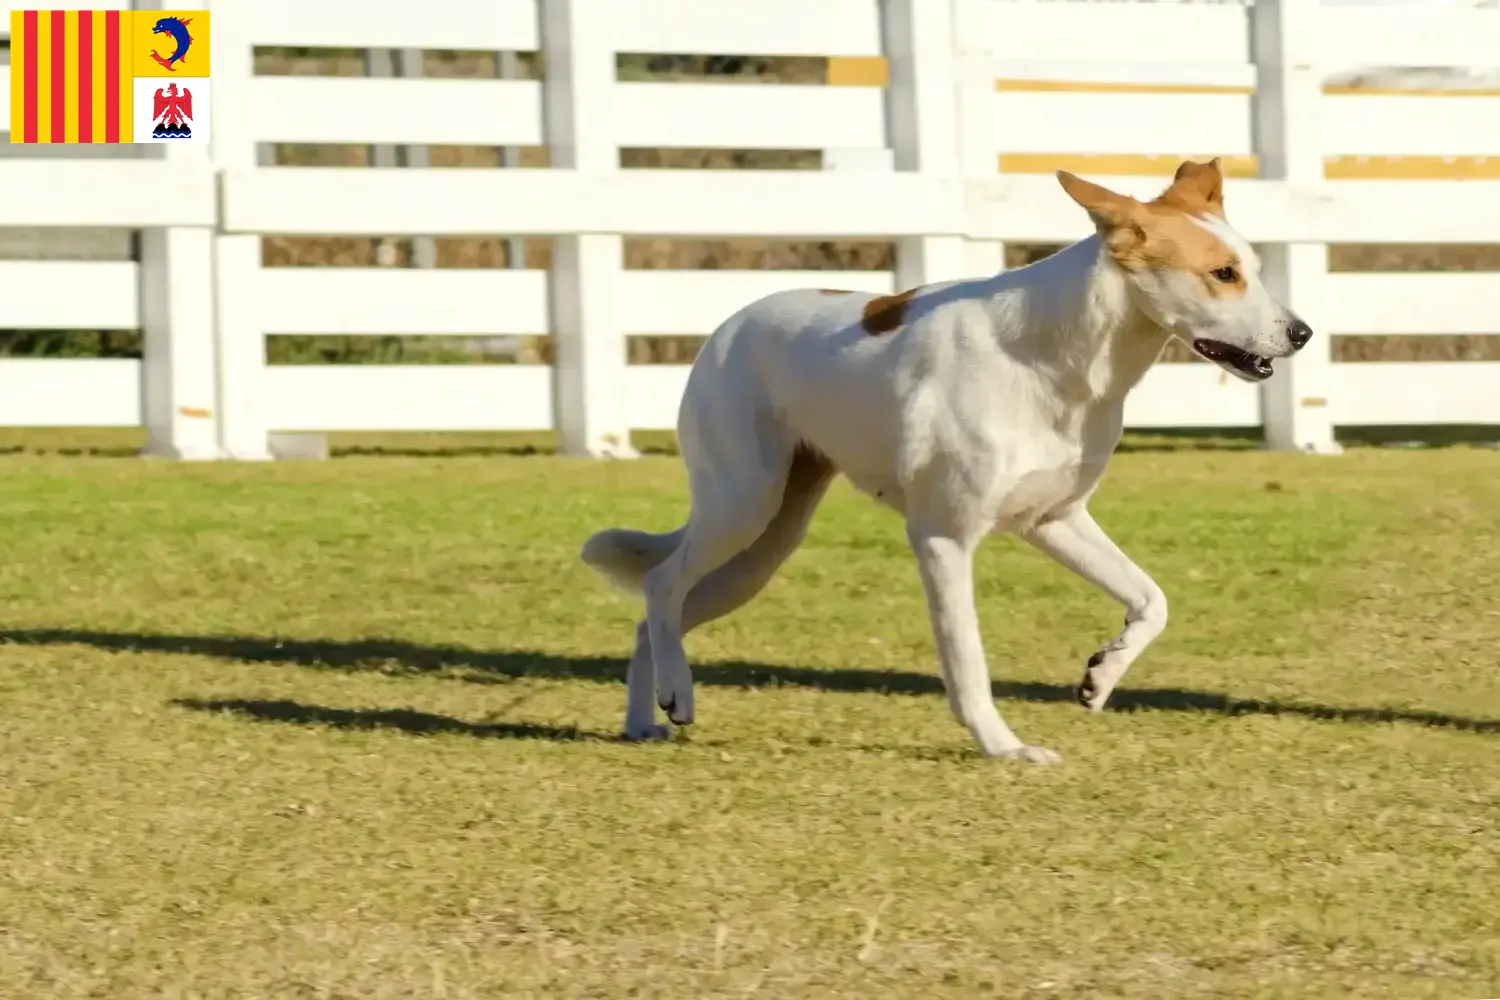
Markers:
point(1022, 501)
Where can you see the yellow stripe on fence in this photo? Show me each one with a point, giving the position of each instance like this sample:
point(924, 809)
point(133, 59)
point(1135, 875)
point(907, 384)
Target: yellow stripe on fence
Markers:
point(1345, 90)
point(1338, 168)
point(858, 71)
point(1119, 165)
point(872, 71)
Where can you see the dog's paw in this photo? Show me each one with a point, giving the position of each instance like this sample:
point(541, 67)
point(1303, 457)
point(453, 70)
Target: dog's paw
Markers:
point(1098, 683)
point(650, 733)
point(1032, 755)
point(1088, 695)
point(678, 705)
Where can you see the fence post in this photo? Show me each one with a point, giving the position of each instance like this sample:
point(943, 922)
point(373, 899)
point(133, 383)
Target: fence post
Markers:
point(243, 427)
point(974, 95)
point(1295, 404)
point(588, 369)
point(178, 380)
point(922, 123)
point(178, 385)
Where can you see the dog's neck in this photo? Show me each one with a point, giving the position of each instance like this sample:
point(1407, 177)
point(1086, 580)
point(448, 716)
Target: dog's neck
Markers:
point(1072, 315)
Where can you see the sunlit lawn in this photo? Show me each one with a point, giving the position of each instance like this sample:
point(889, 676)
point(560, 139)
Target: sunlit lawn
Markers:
point(347, 729)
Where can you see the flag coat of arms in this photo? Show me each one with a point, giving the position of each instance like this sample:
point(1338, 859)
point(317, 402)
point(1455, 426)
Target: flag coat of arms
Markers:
point(110, 76)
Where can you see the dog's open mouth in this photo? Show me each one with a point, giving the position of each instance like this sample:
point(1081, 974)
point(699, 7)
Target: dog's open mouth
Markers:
point(1241, 362)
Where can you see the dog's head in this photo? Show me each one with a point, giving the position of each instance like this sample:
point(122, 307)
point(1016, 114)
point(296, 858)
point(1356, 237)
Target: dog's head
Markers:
point(1191, 273)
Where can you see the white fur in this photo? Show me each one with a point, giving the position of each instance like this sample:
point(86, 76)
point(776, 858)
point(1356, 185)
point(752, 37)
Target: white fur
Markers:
point(994, 407)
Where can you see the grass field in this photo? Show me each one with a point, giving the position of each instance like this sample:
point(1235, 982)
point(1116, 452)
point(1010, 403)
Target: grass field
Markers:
point(346, 730)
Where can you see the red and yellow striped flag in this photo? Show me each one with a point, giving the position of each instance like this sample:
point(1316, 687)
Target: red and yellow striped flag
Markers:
point(71, 78)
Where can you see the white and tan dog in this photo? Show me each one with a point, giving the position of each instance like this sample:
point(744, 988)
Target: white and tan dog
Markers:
point(969, 407)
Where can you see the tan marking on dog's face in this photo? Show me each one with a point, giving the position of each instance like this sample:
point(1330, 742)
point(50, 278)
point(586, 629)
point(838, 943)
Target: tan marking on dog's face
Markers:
point(1166, 237)
point(1163, 233)
point(1190, 272)
point(886, 313)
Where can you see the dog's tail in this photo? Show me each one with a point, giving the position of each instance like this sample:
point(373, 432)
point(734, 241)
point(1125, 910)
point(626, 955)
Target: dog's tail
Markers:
point(624, 556)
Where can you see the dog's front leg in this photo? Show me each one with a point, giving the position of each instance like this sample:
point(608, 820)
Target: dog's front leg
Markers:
point(947, 569)
point(1077, 541)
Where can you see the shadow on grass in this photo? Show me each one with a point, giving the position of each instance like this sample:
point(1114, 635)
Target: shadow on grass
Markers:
point(394, 656)
point(402, 719)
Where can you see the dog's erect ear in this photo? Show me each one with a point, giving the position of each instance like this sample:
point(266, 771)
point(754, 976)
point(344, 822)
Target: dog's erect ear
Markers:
point(1116, 216)
point(1199, 183)
point(1108, 209)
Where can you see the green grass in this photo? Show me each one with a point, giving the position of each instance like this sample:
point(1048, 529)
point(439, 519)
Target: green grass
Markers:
point(346, 730)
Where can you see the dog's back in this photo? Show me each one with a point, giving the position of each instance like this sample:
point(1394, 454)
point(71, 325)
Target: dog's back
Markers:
point(813, 370)
point(773, 355)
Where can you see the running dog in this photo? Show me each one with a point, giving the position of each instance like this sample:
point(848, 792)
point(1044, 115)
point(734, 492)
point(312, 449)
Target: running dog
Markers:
point(969, 407)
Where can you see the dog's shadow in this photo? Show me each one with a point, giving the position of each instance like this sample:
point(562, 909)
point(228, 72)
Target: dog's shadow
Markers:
point(500, 666)
point(400, 719)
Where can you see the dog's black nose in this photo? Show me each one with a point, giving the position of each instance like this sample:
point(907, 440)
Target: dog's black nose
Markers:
point(1299, 334)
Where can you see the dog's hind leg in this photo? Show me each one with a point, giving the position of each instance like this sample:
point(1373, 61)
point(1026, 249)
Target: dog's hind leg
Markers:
point(735, 496)
point(1078, 542)
point(640, 691)
point(733, 584)
point(946, 562)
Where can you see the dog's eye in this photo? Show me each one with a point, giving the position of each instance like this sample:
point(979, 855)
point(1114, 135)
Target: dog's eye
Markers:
point(1226, 275)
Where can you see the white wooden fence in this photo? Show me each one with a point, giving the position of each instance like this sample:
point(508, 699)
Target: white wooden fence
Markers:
point(974, 86)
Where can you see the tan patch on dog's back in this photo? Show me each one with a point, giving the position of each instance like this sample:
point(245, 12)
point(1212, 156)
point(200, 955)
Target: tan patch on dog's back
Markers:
point(834, 291)
point(886, 313)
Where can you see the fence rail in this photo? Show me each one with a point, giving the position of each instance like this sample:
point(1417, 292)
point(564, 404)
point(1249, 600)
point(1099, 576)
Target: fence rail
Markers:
point(943, 141)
